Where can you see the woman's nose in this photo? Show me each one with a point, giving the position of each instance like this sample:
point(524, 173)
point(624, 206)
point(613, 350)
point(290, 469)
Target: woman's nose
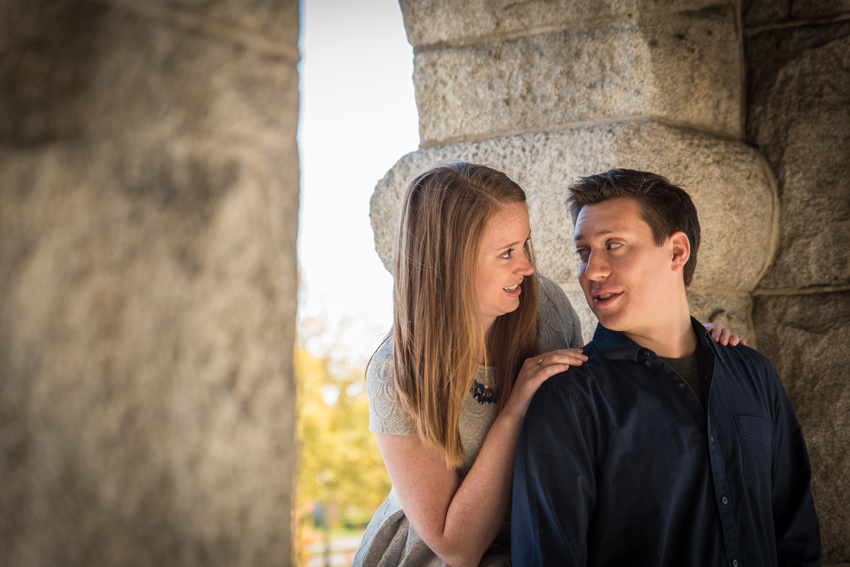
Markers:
point(526, 268)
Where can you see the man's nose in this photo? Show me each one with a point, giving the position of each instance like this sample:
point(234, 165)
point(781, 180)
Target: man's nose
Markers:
point(597, 267)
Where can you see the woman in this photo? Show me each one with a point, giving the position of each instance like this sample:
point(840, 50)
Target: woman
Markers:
point(448, 389)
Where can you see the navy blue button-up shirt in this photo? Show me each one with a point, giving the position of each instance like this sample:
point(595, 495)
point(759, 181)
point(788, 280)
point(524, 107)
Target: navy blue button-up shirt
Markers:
point(619, 464)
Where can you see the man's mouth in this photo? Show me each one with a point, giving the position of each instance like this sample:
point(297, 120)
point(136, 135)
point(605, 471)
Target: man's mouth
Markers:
point(604, 298)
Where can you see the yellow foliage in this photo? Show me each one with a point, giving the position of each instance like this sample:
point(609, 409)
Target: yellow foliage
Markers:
point(339, 459)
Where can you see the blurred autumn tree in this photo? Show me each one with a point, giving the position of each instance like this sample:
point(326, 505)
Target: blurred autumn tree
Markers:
point(340, 464)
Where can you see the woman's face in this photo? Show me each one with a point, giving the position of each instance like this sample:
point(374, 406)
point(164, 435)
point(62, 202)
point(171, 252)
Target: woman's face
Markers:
point(503, 262)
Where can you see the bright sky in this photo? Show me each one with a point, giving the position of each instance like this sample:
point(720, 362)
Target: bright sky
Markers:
point(358, 117)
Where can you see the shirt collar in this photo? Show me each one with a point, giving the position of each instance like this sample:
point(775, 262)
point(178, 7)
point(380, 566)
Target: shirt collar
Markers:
point(615, 345)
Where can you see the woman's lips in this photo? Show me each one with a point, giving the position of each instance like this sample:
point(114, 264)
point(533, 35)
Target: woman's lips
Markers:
point(516, 291)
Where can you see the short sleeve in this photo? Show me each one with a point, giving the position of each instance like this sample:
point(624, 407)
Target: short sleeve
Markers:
point(385, 416)
point(558, 323)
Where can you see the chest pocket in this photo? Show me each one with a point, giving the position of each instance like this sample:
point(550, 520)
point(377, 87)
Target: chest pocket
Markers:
point(756, 436)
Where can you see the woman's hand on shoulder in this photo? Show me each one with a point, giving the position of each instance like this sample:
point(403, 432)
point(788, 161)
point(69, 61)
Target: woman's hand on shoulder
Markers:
point(723, 336)
point(537, 370)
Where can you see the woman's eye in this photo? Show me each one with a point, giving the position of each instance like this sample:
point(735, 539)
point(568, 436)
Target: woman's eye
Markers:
point(507, 254)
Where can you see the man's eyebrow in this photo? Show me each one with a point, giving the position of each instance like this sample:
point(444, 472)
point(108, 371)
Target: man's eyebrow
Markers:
point(594, 235)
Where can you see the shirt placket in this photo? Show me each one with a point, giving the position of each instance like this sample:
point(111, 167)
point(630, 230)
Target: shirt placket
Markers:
point(723, 495)
point(687, 395)
point(722, 491)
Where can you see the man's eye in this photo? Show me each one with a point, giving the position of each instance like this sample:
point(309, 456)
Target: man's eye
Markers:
point(582, 253)
point(614, 245)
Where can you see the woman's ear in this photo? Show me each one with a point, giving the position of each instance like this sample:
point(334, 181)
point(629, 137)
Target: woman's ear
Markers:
point(681, 248)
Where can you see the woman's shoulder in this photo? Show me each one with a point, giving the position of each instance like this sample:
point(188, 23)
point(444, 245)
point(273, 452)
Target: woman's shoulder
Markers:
point(558, 322)
point(385, 415)
point(381, 362)
point(549, 291)
point(550, 297)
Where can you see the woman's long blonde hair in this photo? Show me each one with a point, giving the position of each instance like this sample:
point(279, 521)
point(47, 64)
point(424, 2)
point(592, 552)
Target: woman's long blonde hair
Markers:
point(438, 329)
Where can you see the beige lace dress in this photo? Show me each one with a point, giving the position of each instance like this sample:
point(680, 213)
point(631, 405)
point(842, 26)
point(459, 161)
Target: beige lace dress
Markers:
point(390, 540)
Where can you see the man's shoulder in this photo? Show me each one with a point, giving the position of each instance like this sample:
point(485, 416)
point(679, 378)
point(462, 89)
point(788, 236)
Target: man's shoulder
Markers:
point(744, 357)
point(596, 366)
point(742, 361)
point(574, 395)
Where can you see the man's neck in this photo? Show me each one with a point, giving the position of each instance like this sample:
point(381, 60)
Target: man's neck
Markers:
point(674, 340)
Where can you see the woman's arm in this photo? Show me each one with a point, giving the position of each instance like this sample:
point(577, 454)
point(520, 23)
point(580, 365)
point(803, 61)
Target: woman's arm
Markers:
point(458, 520)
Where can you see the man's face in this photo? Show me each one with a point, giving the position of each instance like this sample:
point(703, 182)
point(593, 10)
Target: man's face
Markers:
point(626, 278)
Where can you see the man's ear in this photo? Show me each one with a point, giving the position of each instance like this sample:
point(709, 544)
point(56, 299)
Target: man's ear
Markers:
point(681, 248)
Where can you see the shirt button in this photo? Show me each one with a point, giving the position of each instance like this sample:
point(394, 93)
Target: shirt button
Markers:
point(712, 438)
point(734, 563)
point(646, 362)
point(724, 500)
point(681, 385)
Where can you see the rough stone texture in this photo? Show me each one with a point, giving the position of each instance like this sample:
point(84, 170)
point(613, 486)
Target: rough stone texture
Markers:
point(726, 179)
point(683, 68)
point(272, 19)
point(730, 311)
point(431, 22)
point(761, 12)
point(806, 337)
point(148, 209)
point(800, 118)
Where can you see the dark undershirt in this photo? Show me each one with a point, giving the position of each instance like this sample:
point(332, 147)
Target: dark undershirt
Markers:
point(688, 369)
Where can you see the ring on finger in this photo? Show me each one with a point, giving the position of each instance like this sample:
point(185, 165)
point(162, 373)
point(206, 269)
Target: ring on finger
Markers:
point(540, 363)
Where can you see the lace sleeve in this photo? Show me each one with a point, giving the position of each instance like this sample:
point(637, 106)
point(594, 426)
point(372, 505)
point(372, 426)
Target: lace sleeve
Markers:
point(384, 414)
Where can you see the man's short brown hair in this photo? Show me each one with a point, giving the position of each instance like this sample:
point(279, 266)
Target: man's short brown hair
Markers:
point(665, 207)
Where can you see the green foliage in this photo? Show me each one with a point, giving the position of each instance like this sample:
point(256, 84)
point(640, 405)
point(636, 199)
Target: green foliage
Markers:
point(340, 462)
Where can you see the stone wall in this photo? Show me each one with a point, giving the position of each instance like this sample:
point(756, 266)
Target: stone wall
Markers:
point(148, 208)
point(746, 106)
point(798, 115)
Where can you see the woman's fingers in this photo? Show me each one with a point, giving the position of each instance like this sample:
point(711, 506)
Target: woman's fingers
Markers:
point(537, 370)
point(571, 359)
point(548, 371)
point(543, 367)
point(563, 356)
point(722, 335)
point(560, 359)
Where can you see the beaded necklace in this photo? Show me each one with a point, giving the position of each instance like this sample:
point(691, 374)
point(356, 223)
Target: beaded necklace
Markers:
point(483, 394)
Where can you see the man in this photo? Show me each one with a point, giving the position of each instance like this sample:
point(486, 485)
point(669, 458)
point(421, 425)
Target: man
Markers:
point(664, 448)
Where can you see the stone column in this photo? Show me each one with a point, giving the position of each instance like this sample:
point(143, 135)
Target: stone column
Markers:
point(798, 114)
point(148, 208)
point(549, 92)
